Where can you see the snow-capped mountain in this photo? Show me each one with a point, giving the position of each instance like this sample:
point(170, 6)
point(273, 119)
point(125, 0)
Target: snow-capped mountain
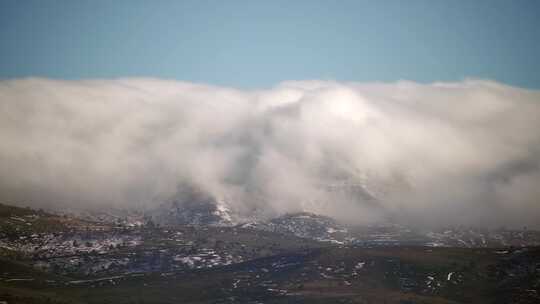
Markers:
point(194, 207)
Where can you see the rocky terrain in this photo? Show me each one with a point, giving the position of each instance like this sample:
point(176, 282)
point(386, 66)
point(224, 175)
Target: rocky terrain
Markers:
point(295, 258)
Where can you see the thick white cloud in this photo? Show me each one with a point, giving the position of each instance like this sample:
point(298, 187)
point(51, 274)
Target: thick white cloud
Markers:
point(444, 153)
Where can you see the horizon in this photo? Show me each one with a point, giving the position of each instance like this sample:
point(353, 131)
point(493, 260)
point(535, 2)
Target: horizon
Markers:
point(255, 45)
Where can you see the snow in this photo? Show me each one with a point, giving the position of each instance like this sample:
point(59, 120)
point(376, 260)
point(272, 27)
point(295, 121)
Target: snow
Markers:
point(332, 230)
point(360, 265)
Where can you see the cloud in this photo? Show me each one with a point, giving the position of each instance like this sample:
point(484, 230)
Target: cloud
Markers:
point(443, 153)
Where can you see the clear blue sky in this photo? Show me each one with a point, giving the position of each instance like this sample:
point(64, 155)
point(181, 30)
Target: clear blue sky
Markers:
point(251, 44)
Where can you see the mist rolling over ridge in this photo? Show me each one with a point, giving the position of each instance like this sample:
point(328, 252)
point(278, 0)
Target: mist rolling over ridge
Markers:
point(431, 154)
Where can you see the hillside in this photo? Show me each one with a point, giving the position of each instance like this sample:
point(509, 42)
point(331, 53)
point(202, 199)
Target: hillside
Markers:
point(297, 258)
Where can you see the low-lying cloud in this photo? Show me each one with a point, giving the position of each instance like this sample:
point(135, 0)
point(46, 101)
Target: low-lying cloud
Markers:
point(444, 153)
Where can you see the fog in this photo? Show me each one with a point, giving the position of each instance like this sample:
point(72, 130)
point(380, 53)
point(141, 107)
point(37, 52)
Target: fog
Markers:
point(431, 154)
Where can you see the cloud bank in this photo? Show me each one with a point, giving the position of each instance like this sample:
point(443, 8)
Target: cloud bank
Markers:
point(443, 153)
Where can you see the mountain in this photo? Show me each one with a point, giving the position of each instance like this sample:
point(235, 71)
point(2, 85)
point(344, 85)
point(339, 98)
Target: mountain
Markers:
point(192, 206)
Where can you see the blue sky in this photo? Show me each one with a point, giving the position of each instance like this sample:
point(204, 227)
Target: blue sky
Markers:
point(252, 44)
